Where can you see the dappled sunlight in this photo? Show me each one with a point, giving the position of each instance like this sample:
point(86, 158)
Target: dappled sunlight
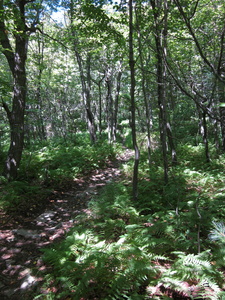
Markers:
point(112, 150)
point(99, 248)
point(21, 243)
point(111, 243)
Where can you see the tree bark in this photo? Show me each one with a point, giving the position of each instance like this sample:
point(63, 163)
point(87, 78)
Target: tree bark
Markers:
point(116, 102)
point(203, 130)
point(86, 95)
point(41, 129)
point(161, 87)
point(16, 61)
point(221, 95)
point(109, 99)
point(132, 103)
point(144, 90)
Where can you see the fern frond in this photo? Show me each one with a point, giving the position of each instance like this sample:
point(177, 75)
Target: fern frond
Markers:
point(198, 272)
point(195, 262)
point(218, 232)
point(173, 284)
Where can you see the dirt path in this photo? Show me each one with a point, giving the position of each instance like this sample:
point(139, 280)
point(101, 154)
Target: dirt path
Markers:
point(20, 242)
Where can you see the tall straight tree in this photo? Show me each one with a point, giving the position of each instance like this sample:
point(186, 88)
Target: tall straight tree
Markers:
point(16, 56)
point(139, 17)
point(113, 102)
point(160, 14)
point(132, 102)
point(159, 40)
point(85, 78)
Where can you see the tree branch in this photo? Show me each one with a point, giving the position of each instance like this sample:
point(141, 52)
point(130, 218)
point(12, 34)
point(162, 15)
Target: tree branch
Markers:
point(194, 11)
point(5, 106)
point(47, 35)
point(191, 31)
point(188, 94)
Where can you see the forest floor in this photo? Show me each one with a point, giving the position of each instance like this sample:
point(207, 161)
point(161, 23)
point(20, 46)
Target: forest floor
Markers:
point(22, 238)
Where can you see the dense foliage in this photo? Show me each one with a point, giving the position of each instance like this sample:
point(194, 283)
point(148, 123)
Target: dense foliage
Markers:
point(168, 244)
point(51, 165)
point(79, 81)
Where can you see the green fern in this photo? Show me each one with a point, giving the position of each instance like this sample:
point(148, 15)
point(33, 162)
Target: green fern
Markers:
point(117, 253)
point(217, 236)
point(218, 232)
point(196, 270)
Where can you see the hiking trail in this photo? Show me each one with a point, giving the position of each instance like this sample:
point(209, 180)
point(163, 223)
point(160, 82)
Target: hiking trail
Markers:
point(22, 239)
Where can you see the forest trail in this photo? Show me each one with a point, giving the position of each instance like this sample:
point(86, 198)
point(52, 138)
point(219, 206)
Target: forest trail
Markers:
point(21, 241)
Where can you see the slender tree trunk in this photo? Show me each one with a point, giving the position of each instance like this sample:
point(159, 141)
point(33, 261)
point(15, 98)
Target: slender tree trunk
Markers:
point(165, 85)
point(215, 123)
point(16, 60)
point(161, 93)
point(203, 130)
point(100, 106)
point(132, 103)
point(116, 102)
point(171, 143)
point(86, 95)
point(221, 92)
point(42, 133)
point(221, 87)
point(143, 83)
point(162, 115)
point(205, 137)
point(85, 80)
point(109, 101)
point(90, 116)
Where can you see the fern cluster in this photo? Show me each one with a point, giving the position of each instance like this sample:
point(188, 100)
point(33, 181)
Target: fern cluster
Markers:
point(118, 253)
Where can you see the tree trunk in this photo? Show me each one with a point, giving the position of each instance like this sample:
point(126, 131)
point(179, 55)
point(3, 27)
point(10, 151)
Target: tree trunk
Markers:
point(221, 93)
point(41, 127)
point(109, 101)
point(85, 81)
point(143, 83)
point(161, 92)
point(205, 137)
point(132, 103)
point(203, 130)
point(116, 104)
point(100, 106)
point(171, 143)
point(86, 95)
point(16, 60)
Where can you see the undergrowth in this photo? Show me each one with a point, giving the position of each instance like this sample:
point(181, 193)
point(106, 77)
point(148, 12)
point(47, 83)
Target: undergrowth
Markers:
point(168, 244)
point(49, 165)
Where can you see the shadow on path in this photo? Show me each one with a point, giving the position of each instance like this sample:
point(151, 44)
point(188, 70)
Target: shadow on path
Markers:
point(20, 243)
